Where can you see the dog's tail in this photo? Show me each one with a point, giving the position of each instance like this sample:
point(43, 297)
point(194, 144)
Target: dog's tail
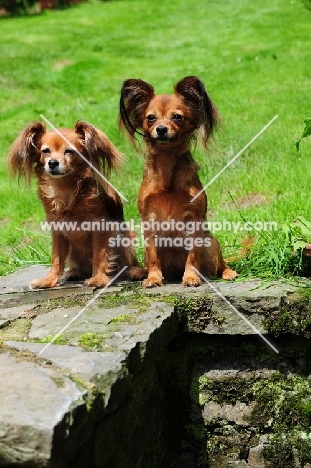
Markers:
point(136, 273)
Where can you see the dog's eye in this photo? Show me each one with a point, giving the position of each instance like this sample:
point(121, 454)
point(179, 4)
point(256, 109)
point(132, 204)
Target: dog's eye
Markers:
point(151, 118)
point(69, 151)
point(45, 150)
point(177, 117)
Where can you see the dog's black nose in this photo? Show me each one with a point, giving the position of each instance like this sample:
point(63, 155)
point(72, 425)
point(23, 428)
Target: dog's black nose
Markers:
point(53, 163)
point(161, 130)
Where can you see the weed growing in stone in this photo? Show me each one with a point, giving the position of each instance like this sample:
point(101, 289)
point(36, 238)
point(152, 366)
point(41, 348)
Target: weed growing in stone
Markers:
point(91, 341)
point(60, 340)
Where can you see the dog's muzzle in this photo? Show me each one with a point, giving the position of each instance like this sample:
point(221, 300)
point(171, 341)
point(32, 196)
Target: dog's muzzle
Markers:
point(54, 169)
point(53, 164)
point(161, 130)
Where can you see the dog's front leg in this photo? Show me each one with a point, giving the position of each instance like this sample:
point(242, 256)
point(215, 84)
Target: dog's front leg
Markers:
point(60, 249)
point(100, 264)
point(191, 278)
point(154, 264)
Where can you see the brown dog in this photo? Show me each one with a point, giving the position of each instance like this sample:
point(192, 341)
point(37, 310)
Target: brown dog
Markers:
point(169, 123)
point(78, 202)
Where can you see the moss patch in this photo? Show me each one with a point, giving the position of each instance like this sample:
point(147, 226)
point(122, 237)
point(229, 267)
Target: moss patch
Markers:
point(294, 316)
point(60, 340)
point(196, 311)
point(91, 341)
point(226, 391)
point(283, 408)
point(74, 300)
point(286, 450)
point(133, 300)
point(58, 380)
point(16, 331)
point(125, 318)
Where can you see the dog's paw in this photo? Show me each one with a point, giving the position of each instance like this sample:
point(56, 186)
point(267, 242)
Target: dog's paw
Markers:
point(98, 281)
point(43, 283)
point(229, 274)
point(152, 281)
point(191, 280)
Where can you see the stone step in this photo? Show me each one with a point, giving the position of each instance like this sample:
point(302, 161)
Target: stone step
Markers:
point(54, 394)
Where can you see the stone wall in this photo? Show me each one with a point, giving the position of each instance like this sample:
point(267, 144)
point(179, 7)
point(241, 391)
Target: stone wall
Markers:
point(250, 408)
point(166, 378)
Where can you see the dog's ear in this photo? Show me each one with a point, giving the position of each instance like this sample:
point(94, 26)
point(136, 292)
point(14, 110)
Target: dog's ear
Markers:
point(24, 153)
point(135, 97)
point(204, 112)
point(101, 153)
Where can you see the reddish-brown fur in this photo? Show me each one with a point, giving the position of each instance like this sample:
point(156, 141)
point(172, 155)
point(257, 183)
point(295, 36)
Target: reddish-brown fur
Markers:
point(169, 123)
point(70, 190)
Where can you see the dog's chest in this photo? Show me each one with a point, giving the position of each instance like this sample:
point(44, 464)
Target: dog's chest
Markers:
point(171, 204)
point(56, 200)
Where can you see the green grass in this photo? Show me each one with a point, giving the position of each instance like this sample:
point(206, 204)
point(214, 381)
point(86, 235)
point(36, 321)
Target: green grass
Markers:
point(254, 59)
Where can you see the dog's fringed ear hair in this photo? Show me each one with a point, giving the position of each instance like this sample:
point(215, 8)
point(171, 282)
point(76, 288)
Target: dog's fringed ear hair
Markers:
point(135, 97)
point(24, 153)
point(101, 153)
point(203, 110)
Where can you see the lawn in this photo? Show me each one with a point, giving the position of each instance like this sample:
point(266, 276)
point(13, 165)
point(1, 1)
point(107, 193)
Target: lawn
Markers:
point(254, 58)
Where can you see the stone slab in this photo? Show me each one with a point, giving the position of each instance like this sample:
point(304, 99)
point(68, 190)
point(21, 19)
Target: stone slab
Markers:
point(103, 369)
point(256, 457)
point(246, 288)
point(12, 313)
point(158, 325)
point(87, 321)
point(20, 279)
point(33, 400)
point(128, 335)
point(233, 322)
point(234, 413)
point(76, 360)
point(239, 305)
point(39, 296)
